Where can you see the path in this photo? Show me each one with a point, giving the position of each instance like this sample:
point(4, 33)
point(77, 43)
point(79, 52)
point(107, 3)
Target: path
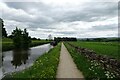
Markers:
point(66, 67)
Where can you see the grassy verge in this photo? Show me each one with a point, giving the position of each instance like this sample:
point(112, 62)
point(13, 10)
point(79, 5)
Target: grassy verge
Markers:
point(90, 71)
point(7, 44)
point(36, 43)
point(105, 48)
point(44, 67)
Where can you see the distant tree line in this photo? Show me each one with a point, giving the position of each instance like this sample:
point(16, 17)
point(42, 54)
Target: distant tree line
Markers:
point(35, 38)
point(58, 39)
point(101, 39)
point(11, 37)
point(64, 39)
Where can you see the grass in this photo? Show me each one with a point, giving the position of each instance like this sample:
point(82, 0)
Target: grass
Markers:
point(7, 43)
point(105, 48)
point(90, 69)
point(7, 46)
point(6, 40)
point(43, 68)
point(37, 42)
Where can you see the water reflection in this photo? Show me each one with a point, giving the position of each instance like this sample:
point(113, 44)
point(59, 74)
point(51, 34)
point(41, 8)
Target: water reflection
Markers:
point(20, 56)
point(16, 60)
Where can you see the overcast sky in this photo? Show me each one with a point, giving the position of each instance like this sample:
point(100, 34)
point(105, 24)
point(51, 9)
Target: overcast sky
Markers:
point(64, 18)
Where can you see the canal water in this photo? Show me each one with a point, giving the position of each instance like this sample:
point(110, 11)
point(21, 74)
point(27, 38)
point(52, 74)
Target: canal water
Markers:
point(16, 60)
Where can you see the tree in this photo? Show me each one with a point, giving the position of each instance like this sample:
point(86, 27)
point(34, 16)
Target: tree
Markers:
point(17, 37)
point(4, 33)
point(26, 39)
point(21, 38)
point(10, 36)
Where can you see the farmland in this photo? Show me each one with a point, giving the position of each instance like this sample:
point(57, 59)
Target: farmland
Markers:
point(84, 65)
point(92, 68)
point(105, 48)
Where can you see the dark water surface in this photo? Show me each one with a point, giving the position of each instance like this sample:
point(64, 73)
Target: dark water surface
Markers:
point(17, 60)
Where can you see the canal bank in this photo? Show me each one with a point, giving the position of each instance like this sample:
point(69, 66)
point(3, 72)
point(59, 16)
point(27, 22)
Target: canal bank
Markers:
point(6, 46)
point(44, 67)
point(17, 60)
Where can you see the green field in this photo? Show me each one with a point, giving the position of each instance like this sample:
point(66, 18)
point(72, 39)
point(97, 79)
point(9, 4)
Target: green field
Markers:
point(7, 43)
point(43, 68)
point(91, 69)
point(105, 48)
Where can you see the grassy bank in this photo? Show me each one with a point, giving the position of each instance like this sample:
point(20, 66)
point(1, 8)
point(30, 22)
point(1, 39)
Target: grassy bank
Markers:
point(105, 48)
point(44, 67)
point(89, 68)
point(37, 42)
point(7, 44)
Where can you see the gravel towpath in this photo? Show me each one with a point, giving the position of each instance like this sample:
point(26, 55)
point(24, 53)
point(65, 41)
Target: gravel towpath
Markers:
point(66, 67)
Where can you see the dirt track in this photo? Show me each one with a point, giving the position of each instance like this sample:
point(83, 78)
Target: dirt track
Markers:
point(66, 67)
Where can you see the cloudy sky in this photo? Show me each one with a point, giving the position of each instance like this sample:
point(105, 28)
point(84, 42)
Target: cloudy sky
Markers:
point(64, 18)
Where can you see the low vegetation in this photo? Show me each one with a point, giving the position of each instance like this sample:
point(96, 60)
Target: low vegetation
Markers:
point(38, 42)
point(105, 48)
point(90, 69)
point(7, 46)
point(84, 65)
point(44, 67)
point(7, 43)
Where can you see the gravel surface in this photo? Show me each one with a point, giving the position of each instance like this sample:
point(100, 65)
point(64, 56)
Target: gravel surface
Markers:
point(66, 67)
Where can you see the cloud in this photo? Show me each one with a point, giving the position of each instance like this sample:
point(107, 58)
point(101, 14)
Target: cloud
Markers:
point(89, 13)
point(105, 27)
point(62, 18)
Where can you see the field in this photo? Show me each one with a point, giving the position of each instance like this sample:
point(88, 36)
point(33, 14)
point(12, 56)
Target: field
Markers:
point(85, 66)
point(92, 69)
point(7, 43)
point(105, 48)
point(44, 67)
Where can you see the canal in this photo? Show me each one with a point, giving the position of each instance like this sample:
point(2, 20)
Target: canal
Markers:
point(16, 60)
